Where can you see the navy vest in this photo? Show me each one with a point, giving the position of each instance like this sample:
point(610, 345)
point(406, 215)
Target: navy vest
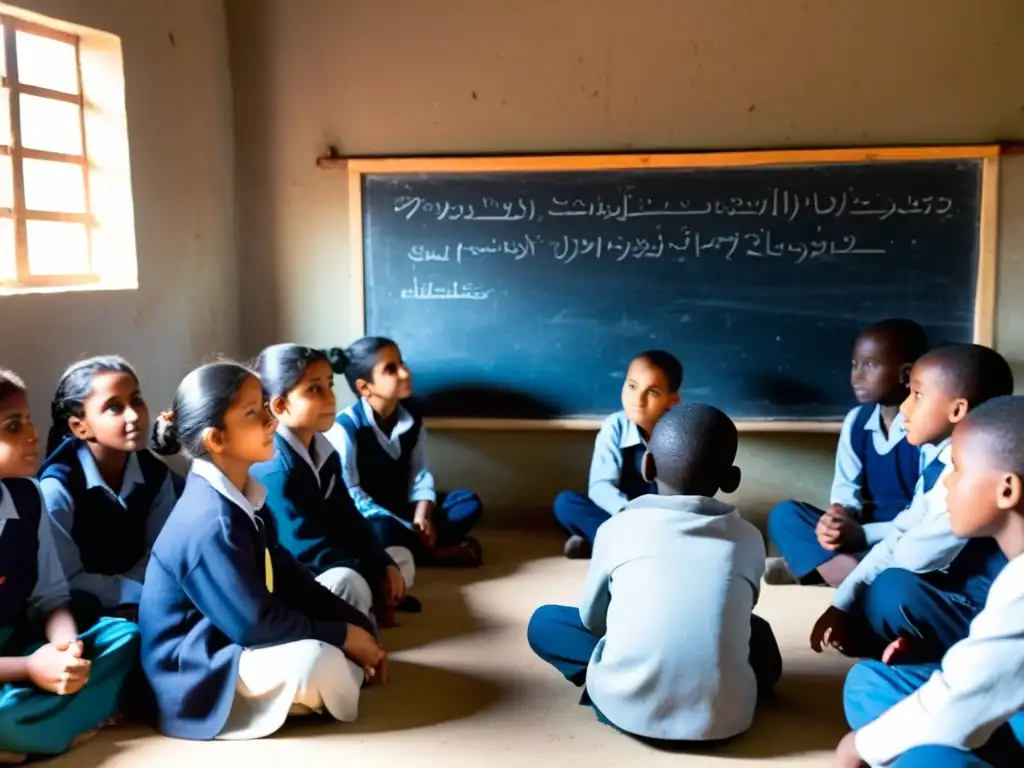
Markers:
point(388, 481)
point(632, 481)
point(19, 549)
point(110, 538)
point(887, 480)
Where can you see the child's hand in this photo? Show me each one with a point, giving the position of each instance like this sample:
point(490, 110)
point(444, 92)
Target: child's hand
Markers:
point(423, 524)
point(846, 753)
point(833, 628)
point(902, 650)
point(362, 647)
point(836, 532)
point(393, 587)
point(62, 672)
point(377, 675)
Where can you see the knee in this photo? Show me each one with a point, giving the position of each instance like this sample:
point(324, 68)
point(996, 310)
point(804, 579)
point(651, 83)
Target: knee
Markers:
point(887, 598)
point(865, 683)
point(565, 502)
point(783, 516)
point(405, 562)
point(349, 586)
point(538, 631)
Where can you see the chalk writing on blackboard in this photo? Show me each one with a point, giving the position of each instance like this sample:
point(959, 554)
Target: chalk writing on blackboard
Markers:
point(762, 243)
point(777, 203)
point(429, 290)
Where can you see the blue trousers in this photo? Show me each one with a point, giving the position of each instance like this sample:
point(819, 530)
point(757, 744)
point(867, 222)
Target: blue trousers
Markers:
point(455, 516)
point(872, 688)
point(901, 603)
point(579, 515)
point(791, 525)
point(556, 634)
point(35, 722)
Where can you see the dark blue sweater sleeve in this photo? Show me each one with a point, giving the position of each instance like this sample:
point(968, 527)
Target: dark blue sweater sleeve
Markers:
point(297, 586)
point(229, 587)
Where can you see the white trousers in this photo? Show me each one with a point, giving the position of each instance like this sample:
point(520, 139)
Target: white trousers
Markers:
point(351, 587)
point(296, 678)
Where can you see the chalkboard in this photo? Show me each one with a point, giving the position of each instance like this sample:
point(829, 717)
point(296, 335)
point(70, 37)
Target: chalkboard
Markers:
point(523, 294)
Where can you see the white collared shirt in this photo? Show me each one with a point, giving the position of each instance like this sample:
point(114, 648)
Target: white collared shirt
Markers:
point(250, 500)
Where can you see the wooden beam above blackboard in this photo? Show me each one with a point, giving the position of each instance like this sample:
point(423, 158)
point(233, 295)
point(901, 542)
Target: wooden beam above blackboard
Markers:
point(539, 318)
point(529, 163)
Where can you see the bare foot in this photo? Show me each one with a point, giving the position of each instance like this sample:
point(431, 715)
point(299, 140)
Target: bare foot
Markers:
point(12, 758)
point(83, 737)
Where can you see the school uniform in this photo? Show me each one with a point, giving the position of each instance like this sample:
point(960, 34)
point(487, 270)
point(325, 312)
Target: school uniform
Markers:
point(966, 711)
point(387, 475)
point(236, 635)
point(661, 658)
point(104, 536)
point(876, 476)
point(922, 582)
point(615, 479)
point(32, 586)
point(317, 522)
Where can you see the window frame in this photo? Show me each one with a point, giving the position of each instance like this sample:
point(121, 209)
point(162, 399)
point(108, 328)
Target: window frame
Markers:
point(11, 25)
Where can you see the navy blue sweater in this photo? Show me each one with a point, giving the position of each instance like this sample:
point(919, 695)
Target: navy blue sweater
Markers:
point(317, 521)
point(205, 599)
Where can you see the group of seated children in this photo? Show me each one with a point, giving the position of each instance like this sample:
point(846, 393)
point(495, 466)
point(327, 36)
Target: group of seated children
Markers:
point(924, 540)
point(253, 591)
point(257, 590)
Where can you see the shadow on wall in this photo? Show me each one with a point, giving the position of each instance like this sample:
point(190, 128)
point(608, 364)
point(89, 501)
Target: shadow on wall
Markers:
point(473, 400)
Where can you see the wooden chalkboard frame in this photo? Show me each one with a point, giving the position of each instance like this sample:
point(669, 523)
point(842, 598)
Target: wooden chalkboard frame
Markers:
point(984, 302)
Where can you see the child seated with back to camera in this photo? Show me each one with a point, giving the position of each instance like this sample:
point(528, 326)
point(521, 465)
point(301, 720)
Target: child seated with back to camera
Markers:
point(652, 386)
point(661, 659)
point(877, 469)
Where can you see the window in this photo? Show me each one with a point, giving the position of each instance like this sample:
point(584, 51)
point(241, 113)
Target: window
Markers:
point(46, 223)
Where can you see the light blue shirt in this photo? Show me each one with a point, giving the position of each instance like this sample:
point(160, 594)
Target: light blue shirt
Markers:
point(976, 690)
point(616, 434)
point(922, 539)
point(112, 591)
point(422, 480)
point(51, 588)
point(670, 590)
point(849, 478)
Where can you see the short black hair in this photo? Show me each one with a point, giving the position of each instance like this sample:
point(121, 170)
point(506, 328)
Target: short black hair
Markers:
point(909, 337)
point(357, 361)
point(1001, 420)
point(973, 372)
point(10, 384)
point(282, 366)
point(694, 447)
point(668, 364)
